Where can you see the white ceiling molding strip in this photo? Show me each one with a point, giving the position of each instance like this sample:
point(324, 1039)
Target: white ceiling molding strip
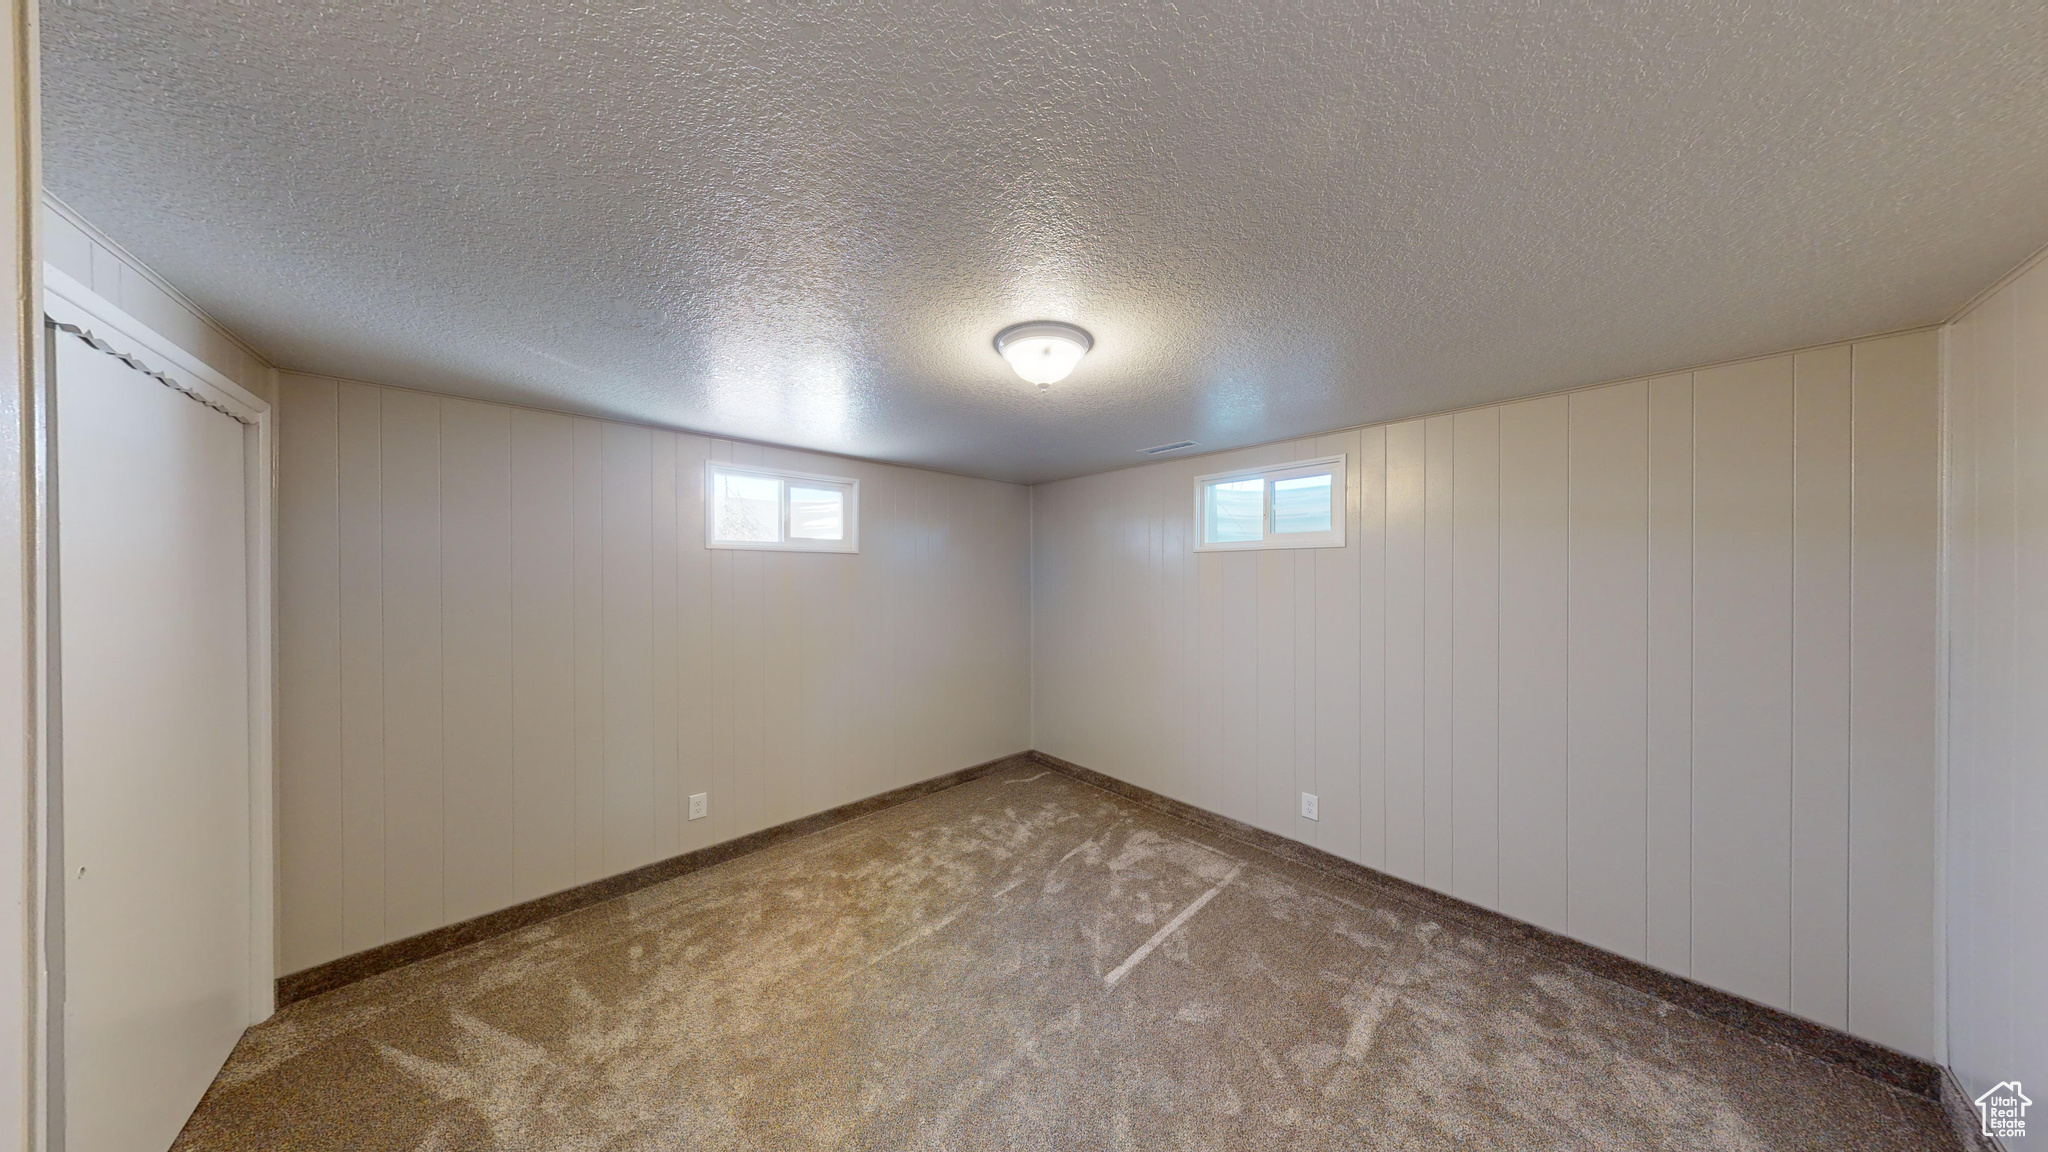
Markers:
point(93, 341)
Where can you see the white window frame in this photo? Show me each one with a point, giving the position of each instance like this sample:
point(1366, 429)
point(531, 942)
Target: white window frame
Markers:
point(851, 486)
point(1339, 506)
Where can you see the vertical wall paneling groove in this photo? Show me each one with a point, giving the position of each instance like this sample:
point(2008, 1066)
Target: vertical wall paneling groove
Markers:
point(627, 681)
point(309, 678)
point(1151, 665)
point(513, 658)
point(1127, 553)
point(1333, 629)
point(665, 798)
point(1668, 884)
point(587, 544)
point(1177, 547)
point(1405, 585)
point(544, 697)
point(781, 691)
point(1273, 700)
point(1892, 668)
point(887, 588)
point(1742, 679)
point(1607, 667)
point(1304, 647)
point(1240, 683)
point(1438, 592)
point(2025, 923)
point(724, 741)
point(1597, 659)
point(359, 488)
point(1371, 547)
point(1968, 776)
point(694, 657)
point(1988, 828)
point(1208, 717)
point(1475, 658)
point(1821, 481)
point(414, 779)
point(1532, 669)
point(749, 790)
point(2004, 601)
point(1186, 771)
point(476, 665)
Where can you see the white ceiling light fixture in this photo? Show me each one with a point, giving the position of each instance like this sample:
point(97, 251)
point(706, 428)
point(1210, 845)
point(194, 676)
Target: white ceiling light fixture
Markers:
point(1043, 351)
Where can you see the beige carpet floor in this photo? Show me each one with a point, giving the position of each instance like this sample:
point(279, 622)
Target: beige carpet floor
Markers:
point(1022, 962)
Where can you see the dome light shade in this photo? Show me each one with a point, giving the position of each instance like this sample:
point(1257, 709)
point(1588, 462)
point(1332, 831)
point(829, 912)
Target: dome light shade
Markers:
point(1043, 351)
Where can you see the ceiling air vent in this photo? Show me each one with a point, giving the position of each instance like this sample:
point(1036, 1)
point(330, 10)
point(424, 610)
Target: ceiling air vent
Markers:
point(1163, 448)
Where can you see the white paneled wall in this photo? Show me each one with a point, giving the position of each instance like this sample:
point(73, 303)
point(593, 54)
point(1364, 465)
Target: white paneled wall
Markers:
point(1997, 601)
point(508, 658)
point(1650, 664)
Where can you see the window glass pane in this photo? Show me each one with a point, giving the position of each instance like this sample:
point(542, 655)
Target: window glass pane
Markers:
point(816, 513)
point(1235, 510)
point(749, 508)
point(1301, 504)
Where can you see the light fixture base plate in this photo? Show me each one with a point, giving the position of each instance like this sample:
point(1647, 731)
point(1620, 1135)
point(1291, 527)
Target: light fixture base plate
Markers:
point(1074, 332)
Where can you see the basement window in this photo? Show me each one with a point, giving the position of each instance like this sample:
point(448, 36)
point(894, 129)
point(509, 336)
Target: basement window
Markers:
point(1296, 505)
point(780, 511)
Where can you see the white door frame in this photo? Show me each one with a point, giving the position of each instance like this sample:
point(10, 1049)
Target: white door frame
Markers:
point(75, 309)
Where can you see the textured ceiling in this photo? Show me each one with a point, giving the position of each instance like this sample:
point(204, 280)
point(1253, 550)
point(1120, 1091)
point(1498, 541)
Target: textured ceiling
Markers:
point(803, 223)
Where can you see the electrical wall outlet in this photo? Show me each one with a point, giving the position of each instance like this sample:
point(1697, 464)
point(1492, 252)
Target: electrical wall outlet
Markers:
point(1308, 805)
point(700, 805)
